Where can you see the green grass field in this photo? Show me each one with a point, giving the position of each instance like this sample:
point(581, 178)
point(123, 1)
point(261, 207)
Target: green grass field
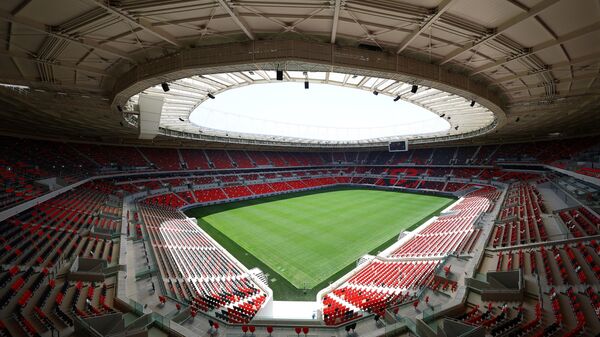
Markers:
point(302, 241)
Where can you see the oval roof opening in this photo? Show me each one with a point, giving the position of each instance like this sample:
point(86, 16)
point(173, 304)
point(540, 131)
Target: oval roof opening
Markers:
point(323, 112)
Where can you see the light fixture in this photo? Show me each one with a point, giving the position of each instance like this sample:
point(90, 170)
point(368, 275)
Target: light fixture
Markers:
point(305, 84)
point(397, 98)
point(472, 104)
point(414, 89)
point(165, 86)
point(13, 86)
point(211, 96)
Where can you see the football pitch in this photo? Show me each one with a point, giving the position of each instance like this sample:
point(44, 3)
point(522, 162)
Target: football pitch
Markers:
point(304, 240)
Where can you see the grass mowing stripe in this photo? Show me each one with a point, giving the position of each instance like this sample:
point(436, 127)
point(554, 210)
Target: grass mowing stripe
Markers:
point(303, 242)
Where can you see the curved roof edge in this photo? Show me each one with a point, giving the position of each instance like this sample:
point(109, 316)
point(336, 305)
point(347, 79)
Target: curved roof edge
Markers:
point(301, 56)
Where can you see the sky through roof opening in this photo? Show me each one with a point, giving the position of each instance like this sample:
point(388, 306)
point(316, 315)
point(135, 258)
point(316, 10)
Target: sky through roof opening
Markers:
point(323, 112)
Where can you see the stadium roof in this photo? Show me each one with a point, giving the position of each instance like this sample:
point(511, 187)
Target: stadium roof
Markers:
point(538, 60)
point(411, 118)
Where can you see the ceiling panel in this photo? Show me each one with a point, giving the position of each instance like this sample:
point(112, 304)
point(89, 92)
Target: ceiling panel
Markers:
point(114, 45)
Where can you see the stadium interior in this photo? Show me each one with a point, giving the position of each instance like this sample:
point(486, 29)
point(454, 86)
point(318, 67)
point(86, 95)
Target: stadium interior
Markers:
point(157, 180)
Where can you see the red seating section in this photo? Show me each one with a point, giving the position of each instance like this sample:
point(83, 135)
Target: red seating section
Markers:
point(237, 191)
point(164, 159)
point(588, 171)
point(580, 221)
point(170, 199)
point(260, 188)
point(453, 232)
point(24, 161)
point(113, 155)
point(212, 194)
point(521, 217)
point(241, 159)
point(259, 158)
point(195, 159)
point(220, 159)
point(34, 241)
point(208, 278)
